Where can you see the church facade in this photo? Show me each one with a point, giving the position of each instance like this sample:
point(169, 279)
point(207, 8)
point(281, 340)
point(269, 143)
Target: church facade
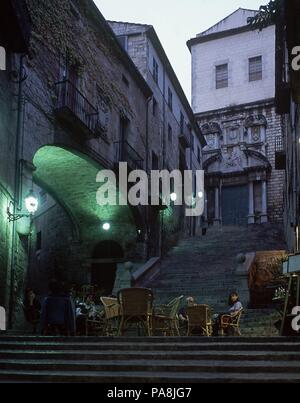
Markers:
point(233, 90)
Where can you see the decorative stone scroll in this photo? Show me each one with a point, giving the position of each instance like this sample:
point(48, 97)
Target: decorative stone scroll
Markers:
point(211, 128)
point(256, 120)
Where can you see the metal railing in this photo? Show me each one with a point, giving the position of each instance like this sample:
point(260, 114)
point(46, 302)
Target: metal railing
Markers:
point(124, 152)
point(70, 97)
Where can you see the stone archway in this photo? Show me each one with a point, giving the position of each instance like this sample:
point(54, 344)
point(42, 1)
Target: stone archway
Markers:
point(67, 231)
point(105, 257)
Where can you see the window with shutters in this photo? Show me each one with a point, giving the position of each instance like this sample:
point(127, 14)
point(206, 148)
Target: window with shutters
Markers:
point(255, 68)
point(222, 76)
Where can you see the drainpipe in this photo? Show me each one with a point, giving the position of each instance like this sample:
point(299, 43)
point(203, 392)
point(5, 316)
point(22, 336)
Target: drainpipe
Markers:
point(147, 170)
point(191, 168)
point(17, 187)
point(295, 149)
point(164, 157)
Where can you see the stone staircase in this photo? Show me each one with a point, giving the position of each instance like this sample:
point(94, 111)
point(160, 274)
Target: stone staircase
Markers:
point(203, 267)
point(149, 360)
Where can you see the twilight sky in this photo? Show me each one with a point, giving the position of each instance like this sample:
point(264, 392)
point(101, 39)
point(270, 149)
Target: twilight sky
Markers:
point(175, 21)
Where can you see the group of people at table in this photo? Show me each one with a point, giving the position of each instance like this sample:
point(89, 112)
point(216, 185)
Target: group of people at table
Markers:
point(62, 313)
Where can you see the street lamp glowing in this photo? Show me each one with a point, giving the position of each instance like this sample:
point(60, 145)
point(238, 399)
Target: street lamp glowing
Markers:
point(31, 203)
point(173, 197)
point(106, 226)
point(200, 195)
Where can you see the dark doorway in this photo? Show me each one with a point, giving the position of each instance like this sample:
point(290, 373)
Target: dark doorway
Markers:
point(235, 205)
point(104, 267)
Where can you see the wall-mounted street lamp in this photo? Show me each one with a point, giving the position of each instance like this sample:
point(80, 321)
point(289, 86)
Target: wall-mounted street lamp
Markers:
point(173, 197)
point(31, 204)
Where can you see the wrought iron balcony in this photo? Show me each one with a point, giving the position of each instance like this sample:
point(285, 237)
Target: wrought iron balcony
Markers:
point(74, 109)
point(185, 137)
point(280, 153)
point(124, 152)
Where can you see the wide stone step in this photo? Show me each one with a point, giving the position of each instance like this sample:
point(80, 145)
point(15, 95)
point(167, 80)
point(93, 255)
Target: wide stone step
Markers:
point(112, 355)
point(146, 377)
point(151, 365)
point(154, 347)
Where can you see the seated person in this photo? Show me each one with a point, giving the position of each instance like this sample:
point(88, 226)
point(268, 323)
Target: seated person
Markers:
point(182, 314)
point(84, 311)
point(234, 306)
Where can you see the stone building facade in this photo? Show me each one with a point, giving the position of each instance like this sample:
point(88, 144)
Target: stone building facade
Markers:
point(233, 98)
point(287, 105)
point(73, 105)
point(176, 140)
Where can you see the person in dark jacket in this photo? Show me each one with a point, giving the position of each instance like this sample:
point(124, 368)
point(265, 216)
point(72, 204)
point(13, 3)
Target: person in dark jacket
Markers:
point(58, 313)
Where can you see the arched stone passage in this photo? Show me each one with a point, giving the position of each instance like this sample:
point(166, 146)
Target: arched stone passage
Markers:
point(70, 178)
point(105, 258)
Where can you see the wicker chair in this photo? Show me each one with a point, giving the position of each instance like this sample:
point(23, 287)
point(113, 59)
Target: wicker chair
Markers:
point(199, 318)
point(135, 308)
point(231, 322)
point(166, 318)
point(112, 315)
point(96, 324)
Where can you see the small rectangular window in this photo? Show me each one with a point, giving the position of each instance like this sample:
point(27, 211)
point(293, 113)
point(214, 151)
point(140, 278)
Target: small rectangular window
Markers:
point(125, 81)
point(255, 68)
point(170, 133)
point(155, 161)
point(199, 155)
point(222, 76)
point(39, 241)
point(155, 70)
point(154, 107)
point(181, 122)
point(170, 98)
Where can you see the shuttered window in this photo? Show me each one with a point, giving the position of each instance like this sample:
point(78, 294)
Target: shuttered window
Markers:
point(222, 76)
point(255, 68)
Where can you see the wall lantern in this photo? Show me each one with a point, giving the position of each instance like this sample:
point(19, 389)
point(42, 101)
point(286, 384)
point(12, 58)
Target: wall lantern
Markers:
point(31, 205)
point(173, 197)
point(106, 226)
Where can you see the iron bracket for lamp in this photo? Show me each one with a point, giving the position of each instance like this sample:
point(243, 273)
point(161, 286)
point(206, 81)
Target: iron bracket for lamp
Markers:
point(15, 217)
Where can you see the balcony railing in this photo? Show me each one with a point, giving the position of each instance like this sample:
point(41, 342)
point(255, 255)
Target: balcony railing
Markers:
point(185, 136)
point(73, 107)
point(280, 153)
point(124, 152)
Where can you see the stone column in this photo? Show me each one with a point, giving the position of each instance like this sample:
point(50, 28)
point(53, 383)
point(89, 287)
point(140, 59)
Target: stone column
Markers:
point(217, 206)
point(251, 217)
point(264, 211)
